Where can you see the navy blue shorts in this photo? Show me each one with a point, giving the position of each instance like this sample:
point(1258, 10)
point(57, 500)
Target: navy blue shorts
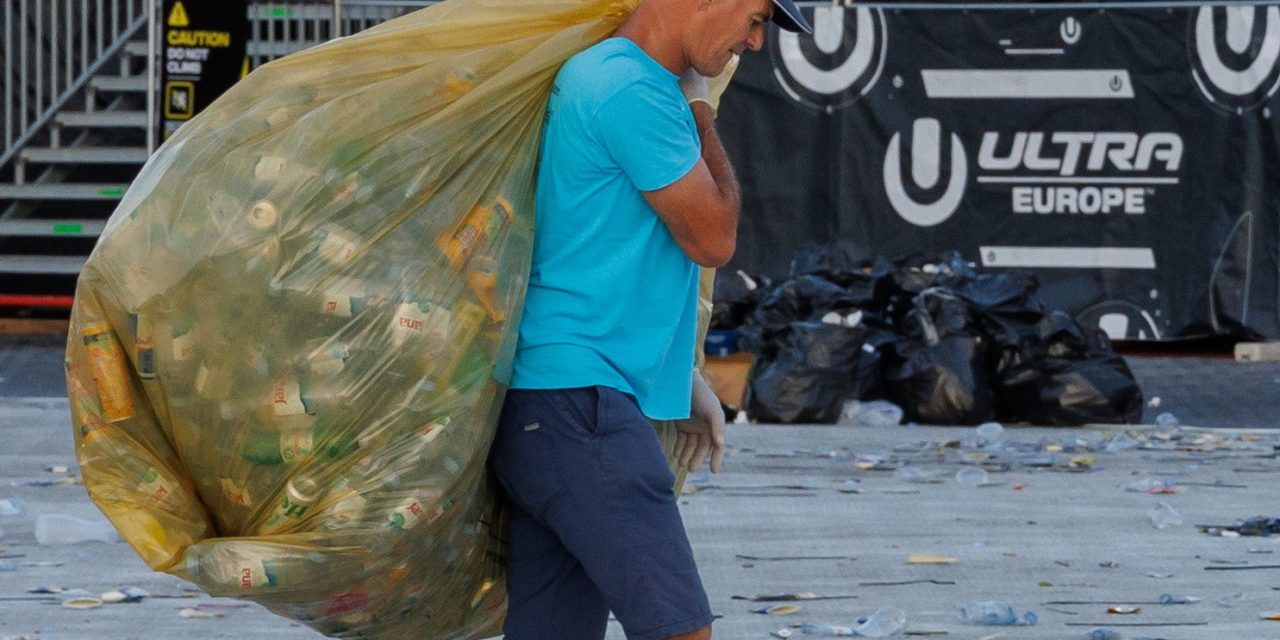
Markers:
point(594, 524)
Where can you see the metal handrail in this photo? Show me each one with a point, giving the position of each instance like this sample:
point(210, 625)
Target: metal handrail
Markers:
point(43, 66)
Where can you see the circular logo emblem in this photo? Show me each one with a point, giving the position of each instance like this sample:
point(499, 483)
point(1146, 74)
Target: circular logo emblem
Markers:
point(838, 64)
point(939, 186)
point(1235, 54)
point(1070, 30)
point(1120, 320)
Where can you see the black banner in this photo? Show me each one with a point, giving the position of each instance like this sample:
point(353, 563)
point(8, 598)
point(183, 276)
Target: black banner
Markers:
point(1129, 157)
point(202, 55)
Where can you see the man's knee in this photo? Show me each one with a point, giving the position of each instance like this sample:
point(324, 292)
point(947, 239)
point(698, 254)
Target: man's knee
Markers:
point(701, 634)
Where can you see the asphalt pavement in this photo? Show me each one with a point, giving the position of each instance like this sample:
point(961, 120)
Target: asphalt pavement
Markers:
point(1061, 526)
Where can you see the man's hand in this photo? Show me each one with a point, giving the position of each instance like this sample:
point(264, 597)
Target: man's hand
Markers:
point(698, 88)
point(717, 85)
point(703, 432)
point(694, 87)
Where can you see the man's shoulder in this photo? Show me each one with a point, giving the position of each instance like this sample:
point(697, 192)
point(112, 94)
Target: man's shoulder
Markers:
point(610, 68)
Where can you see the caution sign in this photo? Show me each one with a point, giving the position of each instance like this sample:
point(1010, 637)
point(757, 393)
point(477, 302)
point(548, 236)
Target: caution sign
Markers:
point(202, 55)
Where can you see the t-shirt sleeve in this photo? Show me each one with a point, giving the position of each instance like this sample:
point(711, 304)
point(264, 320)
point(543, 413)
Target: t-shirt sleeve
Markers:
point(650, 133)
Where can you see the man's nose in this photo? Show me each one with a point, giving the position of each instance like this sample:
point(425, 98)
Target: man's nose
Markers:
point(755, 41)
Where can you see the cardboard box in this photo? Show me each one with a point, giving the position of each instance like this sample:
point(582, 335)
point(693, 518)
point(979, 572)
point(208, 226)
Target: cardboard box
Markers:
point(727, 376)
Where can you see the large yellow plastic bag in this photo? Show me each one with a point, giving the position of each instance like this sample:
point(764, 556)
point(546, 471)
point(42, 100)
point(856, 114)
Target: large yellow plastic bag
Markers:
point(287, 349)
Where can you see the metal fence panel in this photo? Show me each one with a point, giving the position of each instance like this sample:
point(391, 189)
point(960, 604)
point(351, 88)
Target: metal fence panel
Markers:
point(41, 69)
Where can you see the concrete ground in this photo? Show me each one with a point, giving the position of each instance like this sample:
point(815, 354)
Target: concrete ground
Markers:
point(1031, 537)
point(835, 501)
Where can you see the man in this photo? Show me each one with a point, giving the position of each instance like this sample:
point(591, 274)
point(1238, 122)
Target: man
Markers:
point(634, 192)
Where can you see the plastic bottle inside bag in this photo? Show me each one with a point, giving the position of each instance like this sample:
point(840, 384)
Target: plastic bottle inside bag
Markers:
point(110, 372)
point(242, 567)
point(483, 224)
point(482, 280)
point(301, 492)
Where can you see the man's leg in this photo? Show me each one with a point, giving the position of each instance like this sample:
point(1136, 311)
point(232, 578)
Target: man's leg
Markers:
point(549, 596)
point(607, 496)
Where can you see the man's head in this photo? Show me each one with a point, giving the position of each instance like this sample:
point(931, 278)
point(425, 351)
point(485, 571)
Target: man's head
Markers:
point(721, 29)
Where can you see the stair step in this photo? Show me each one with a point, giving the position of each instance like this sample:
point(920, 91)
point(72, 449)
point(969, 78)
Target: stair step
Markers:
point(45, 265)
point(87, 155)
point(119, 83)
point(102, 119)
point(136, 48)
point(62, 191)
point(278, 49)
point(45, 228)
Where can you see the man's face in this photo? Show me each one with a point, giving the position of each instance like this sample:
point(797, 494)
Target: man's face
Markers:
point(724, 28)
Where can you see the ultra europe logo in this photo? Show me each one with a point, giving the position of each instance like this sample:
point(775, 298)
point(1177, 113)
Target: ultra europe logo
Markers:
point(1235, 54)
point(939, 191)
point(1045, 172)
point(840, 63)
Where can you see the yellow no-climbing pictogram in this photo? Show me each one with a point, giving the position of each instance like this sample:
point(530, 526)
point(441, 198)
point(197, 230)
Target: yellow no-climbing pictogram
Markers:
point(178, 17)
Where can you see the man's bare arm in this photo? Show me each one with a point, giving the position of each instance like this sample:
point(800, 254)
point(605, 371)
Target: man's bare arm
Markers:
point(701, 209)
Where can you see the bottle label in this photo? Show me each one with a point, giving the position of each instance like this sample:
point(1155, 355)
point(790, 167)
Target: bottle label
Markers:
point(296, 446)
point(144, 350)
point(184, 347)
point(346, 511)
point(146, 357)
point(469, 238)
point(338, 246)
point(251, 573)
point(291, 509)
point(337, 304)
point(407, 515)
point(410, 321)
point(286, 398)
point(153, 487)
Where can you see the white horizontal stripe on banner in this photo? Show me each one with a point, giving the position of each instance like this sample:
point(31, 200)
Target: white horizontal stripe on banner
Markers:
point(1027, 84)
point(1069, 257)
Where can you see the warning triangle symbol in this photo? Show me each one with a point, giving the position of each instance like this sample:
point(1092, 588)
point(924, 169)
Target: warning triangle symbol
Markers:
point(178, 17)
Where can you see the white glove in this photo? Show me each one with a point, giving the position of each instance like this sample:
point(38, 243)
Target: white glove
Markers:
point(698, 88)
point(717, 85)
point(703, 433)
point(694, 87)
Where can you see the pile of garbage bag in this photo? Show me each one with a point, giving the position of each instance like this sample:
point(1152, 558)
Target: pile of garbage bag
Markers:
point(946, 343)
point(288, 349)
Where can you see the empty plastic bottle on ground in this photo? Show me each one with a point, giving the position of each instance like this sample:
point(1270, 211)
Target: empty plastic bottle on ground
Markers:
point(997, 614)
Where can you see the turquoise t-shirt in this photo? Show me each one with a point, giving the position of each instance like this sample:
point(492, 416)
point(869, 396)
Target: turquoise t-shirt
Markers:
point(612, 298)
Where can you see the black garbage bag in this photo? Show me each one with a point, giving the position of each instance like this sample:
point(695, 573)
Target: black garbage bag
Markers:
point(938, 373)
point(736, 297)
point(808, 379)
point(915, 273)
point(1005, 305)
point(1070, 377)
point(869, 372)
point(804, 298)
point(868, 282)
point(1008, 313)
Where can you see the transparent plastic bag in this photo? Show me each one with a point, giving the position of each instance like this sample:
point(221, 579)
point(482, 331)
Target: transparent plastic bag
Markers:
point(288, 349)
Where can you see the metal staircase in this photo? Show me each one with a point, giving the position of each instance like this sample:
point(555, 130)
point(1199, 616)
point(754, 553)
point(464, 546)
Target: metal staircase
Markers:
point(75, 121)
